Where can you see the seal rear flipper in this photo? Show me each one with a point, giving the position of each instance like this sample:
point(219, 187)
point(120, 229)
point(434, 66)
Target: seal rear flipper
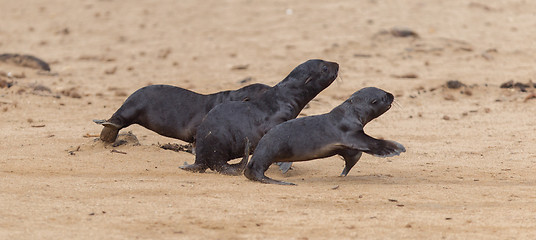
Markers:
point(268, 180)
point(237, 168)
point(106, 123)
point(231, 169)
point(260, 177)
point(109, 134)
point(196, 167)
point(284, 166)
point(99, 121)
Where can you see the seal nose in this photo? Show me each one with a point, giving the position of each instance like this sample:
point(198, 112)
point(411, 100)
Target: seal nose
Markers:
point(390, 97)
point(334, 66)
point(333, 69)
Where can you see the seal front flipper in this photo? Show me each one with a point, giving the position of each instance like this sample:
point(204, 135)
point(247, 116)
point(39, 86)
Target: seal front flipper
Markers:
point(390, 149)
point(376, 147)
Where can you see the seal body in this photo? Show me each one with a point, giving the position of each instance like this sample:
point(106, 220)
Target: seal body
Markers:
point(339, 132)
point(171, 111)
point(229, 126)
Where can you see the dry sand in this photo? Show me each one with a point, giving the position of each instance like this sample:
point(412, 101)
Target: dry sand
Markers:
point(469, 169)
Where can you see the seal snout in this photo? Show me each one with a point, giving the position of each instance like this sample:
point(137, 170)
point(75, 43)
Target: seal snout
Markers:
point(389, 98)
point(333, 66)
point(333, 69)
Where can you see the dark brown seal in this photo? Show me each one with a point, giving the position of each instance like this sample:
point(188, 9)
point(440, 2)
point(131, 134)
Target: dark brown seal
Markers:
point(337, 132)
point(224, 132)
point(171, 111)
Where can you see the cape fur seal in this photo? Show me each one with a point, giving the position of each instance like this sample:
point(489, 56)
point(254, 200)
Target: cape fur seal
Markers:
point(229, 126)
point(337, 132)
point(171, 111)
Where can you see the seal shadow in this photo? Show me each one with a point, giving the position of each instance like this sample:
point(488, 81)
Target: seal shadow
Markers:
point(406, 178)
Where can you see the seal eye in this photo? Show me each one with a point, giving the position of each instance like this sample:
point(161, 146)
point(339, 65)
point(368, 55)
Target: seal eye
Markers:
point(374, 101)
point(324, 68)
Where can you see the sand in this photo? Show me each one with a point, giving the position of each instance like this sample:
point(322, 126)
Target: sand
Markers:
point(468, 172)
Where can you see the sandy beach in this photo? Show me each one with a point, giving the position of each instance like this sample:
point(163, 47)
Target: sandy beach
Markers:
point(468, 172)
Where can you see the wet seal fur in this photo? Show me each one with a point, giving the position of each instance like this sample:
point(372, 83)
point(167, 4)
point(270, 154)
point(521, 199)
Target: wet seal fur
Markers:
point(171, 111)
point(337, 132)
point(222, 134)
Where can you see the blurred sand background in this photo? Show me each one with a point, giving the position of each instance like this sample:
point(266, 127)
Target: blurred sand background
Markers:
point(468, 172)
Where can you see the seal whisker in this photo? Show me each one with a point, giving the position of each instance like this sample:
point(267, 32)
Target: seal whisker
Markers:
point(339, 77)
point(397, 104)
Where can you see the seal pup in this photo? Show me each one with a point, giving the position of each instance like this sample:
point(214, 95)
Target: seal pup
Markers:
point(171, 111)
point(338, 132)
point(222, 134)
